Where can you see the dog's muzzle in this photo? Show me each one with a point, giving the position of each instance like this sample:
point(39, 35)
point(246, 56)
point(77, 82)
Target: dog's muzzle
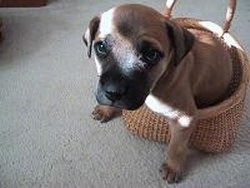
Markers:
point(116, 89)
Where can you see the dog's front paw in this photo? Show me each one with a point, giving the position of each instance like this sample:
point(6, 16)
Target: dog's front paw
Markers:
point(104, 113)
point(170, 174)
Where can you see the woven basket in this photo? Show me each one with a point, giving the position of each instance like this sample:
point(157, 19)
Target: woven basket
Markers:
point(217, 128)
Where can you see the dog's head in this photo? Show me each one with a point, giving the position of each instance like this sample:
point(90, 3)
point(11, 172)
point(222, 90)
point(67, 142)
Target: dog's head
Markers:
point(134, 45)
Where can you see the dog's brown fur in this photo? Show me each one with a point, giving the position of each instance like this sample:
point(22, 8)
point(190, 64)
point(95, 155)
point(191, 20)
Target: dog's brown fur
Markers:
point(196, 74)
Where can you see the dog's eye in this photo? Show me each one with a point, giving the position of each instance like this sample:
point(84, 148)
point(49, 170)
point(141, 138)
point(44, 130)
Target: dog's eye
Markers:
point(101, 49)
point(151, 55)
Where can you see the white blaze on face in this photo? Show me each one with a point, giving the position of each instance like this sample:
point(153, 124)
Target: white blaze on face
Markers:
point(127, 60)
point(105, 28)
point(159, 107)
point(125, 57)
point(98, 66)
point(106, 24)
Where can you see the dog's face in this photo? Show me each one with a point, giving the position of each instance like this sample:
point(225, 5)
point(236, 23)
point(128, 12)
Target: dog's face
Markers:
point(134, 45)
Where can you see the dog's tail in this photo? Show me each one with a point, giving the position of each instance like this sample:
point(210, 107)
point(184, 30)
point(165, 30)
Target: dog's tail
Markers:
point(229, 13)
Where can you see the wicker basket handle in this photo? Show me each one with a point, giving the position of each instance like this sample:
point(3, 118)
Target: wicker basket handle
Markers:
point(229, 13)
point(168, 8)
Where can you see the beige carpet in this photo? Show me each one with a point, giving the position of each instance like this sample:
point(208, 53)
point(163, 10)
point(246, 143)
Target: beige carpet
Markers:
point(47, 83)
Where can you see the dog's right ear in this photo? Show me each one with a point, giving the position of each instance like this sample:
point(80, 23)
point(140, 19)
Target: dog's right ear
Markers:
point(181, 40)
point(90, 33)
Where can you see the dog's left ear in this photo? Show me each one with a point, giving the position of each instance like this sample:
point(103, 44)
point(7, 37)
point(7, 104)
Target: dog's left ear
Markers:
point(181, 40)
point(90, 33)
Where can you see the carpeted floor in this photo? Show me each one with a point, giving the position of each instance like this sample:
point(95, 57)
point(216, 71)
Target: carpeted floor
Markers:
point(47, 83)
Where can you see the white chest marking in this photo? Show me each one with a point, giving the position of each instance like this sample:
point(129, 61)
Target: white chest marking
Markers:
point(159, 107)
point(185, 120)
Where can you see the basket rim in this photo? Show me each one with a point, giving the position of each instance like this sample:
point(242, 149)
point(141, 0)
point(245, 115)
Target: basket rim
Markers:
point(240, 92)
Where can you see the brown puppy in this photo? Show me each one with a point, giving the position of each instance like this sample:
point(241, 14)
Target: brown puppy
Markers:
point(144, 57)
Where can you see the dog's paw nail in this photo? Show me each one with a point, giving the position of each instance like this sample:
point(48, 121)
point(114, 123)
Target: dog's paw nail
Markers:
point(96, 116)
point(169, 174)
point(99, 116)
point(104, 120)
point(93, 113)
point(162, 169)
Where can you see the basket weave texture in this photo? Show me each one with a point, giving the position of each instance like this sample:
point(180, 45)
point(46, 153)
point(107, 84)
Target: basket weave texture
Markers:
point(217, 128)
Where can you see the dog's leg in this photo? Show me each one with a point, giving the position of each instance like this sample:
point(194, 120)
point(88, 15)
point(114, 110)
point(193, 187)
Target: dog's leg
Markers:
point(177, 151)
point(104, 113)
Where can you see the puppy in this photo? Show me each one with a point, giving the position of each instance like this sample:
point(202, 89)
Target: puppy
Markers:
point(142, 57)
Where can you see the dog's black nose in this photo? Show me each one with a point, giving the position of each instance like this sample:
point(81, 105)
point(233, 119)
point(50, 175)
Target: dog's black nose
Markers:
point(113, 95)
point(113, 85)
